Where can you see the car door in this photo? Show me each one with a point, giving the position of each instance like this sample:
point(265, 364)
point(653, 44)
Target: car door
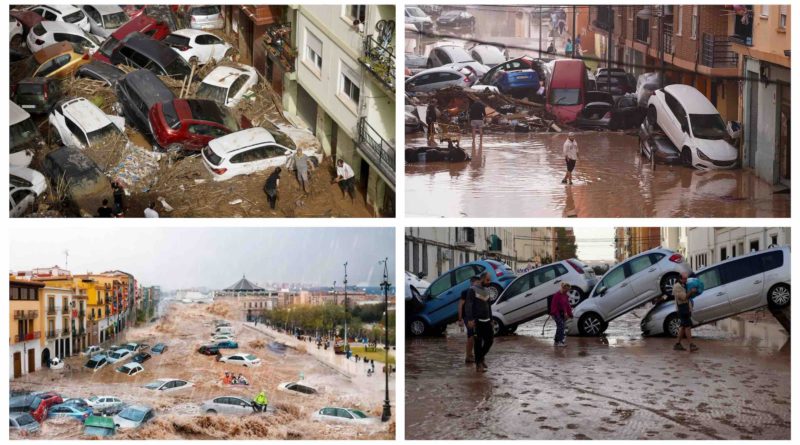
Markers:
point(515, 300)
point(714, 302)
point(546, 282)
point(744, 278)
point(421, 82)
point(617, 292)
point(643, 276)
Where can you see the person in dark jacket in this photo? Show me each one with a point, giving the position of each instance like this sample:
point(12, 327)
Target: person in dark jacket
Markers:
point(561, 311)
point(477, 116)
point(118, 192)
point(431, 114)
point(478, 316)
point(271, 187)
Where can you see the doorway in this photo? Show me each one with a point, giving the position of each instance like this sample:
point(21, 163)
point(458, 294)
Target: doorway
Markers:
point(784, 137)
point(46, 357)
point(17, 364)
point(363, 178)
point(752, 121)
point(31, 361)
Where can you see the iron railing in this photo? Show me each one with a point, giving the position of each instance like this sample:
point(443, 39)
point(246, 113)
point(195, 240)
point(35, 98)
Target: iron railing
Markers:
point(65, 332)
point(51, 310)
point(27, 337)
point(717, 52)
point(380, 151)
point(26, 315)
point(51, 334)
point(378, 59)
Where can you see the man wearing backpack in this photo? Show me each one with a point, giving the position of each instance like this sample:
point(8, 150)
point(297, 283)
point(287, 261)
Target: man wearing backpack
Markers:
point(463, 324)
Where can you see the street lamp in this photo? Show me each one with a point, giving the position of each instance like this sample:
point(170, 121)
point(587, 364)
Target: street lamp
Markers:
point(387, 408)
point(346, 348)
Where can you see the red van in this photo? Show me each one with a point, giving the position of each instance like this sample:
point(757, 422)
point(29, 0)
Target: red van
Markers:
point(141, 24)
point(566, 89)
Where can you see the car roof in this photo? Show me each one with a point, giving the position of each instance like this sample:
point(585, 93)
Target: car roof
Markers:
point(154, 49)
point(187, 32)
point(241, 139)
point(98, 356)
point(64, 9)
point(772, 249)
point(693, 101)
point(16, 113)
point(86, 114)
point(566, 72)
point(133, 25)
point(139, 407)
point(224, 76)
point(58, 26)
point(50, 51)
point(132, 365)
point(99, 421)
point(145, 81)
point(106, 9)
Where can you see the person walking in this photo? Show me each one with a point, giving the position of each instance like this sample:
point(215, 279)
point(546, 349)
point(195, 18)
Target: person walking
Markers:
point(118, 193)
point(561, 311)
point(431, 115)
point(568, 48)
point(260, 402)
point(345, 178)
point(683, 301)
point(478, 315)
point(271, 189)
point(301, 162)
point(477, 114)
point(571, 156)
point(105, 211)
point(470, 356)
point(150, 211)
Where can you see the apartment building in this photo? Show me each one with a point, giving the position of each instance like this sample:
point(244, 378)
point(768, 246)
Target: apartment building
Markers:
point(709, 245)
point(25, 339)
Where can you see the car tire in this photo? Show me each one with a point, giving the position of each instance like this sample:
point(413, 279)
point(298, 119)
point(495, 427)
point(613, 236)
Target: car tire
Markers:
point(512, 329)
point(671, 325)
point(494, 291)
point(576, 296)
point(779, 296)
point(417, 327)
point(498, 329)
point(591, 325)
point(666, 284)
point(686, 157)
point(652, 116)
point(211, 412)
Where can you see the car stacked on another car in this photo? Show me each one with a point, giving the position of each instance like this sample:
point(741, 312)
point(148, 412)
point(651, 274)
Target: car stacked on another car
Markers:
point(29, 404)
point(244, 152)
point(198, 47)
point(138, 92)
point(104, 19)
point(62, 13)
point(227, 85)
point(190, 124)
point(48, 33)
point(80, 124)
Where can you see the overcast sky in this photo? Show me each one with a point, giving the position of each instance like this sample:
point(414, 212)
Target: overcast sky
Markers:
point(595, 243)
point(177, 258)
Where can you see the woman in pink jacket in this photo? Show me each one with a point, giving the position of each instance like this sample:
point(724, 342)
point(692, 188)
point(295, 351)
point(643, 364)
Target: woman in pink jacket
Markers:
point(560, 310)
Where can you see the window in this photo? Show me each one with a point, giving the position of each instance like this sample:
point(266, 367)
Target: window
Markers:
point(464, 273)
point(237, 85)
point(772, 260)
point(208, 39)
point(350, 89)
point(754, 246)
point(357, 12)
point(313, 50)
point(740, 269)
point(765, 11)
point(639, 264)
point(695, 21)
point(521, 285)
point(723, 253)
point(773, 240)
point(440, 285)
point(543, 276)
point(642, 30)
point(613, 278)
point(710, 278)
point(783, 19)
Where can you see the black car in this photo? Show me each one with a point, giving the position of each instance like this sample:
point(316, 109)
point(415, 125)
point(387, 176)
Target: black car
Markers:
point(86, 185)
point(208, 350)
point(615, 82)
point(156, 56)
point(456, 19)
point(656, 146)
point(102, 71)
point(138, 91)
point(37, 95)
point(141, 357)
point(603, 111)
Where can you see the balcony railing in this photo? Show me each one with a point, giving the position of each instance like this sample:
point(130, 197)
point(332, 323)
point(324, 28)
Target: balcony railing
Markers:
point(377, 149)
point(26, 315)
point(27, 337)
point(65, 332)
point(277, 42)
point(378, 58)
point(82, 330)
point(667, 36)
point(717, 52)
point(51, 310)
point(51, 334)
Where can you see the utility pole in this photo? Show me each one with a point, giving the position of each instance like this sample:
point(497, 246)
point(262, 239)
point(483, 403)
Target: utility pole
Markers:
point(608, 43)
point(540, 31)
point(574, 13)
point(661, 44)
point(387, 408)
point(346, 347)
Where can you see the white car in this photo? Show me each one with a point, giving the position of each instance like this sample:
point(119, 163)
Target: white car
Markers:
point(130, 369)
point(206, 17)
point(118, 355)
point(168, 385)
point(25, 186)
point(243, 359)
point(227, 85)
point(625, 287)
point(24, 135)
point(488, 55)
point(417, 17)
point(438, 78)
point(101, 404)
point(736, 285)
point(92, 350)
point(133, 416)
point(528, 296)
point(96, 362)
point(454, 55)
point(244, 152)
point(196, 46)
point(343, 415)
point(62, 13)
point(80, 123)
point(415, 281)
point(104, 19)
point(694, 125)
point(232, 405)
point(296, 388)
point(14, 32)
point(48, 33)
point(222, 337)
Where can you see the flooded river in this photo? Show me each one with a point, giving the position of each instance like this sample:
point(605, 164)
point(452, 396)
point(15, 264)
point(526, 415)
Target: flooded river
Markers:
point(519, 175)
point(621, 386)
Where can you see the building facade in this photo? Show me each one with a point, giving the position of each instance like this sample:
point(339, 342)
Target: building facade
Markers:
point(25, 327)
point(630, 241)
point(58, 333)
point(250, 298)
point(709, 245)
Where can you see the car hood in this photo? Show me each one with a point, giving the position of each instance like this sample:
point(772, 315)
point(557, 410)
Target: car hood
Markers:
point(718, 150)
point(124, 423)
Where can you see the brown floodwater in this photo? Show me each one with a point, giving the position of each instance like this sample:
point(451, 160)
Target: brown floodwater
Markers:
point(519, 175)
point(620, 386)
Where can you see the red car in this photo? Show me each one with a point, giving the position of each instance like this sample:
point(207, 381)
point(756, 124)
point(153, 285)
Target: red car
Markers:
point(188, 124)
point(142, 24)
point(566, 90)
point(50, 398)
point(33, 405)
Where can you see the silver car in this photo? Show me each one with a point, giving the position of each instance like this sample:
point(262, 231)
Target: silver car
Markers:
point(626, 286)
point(23, 422)
point(439, 78)
point(206, 17)
point(133, 417)
point(736, 285)
point(454, 55)
point(104, 19)
point(231, 405)
point(528, 296)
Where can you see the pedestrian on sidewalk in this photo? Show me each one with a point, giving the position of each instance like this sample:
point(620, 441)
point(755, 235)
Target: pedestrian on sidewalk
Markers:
point(431, 115)
point(571, 156)
point(301, 164)
point(345, 178)
point(477, 114)
point(683, 301)
point(568, 48)
point(561, 311)
point(271, 188)
point(470, 356)
point(479, 317)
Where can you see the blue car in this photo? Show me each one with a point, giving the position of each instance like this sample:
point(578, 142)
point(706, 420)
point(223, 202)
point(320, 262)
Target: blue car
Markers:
point(158, 348)
point(227, 344)
point(72, 410)
point(430, 312)
point(522, 83)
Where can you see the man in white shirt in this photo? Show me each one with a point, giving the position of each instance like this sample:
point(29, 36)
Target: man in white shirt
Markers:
point(571, 156)
point(150, 211)
point(345, 178)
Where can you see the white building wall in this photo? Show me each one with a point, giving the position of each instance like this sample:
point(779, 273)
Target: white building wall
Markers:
point(23, 348)
point(709, 245)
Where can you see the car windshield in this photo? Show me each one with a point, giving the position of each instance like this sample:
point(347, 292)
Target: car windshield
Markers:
point(176, 40)
point(565, 96)
point(22, 133)
point(132, 414)
point(115, 20)
point(708, 126)
point(98, 431)
point(358, 414)
point(205, 10)
point(250, 357)
point(110, 131)
point(460, 55)
point(415, 12)
point(178, 68)
point(94, 399)
point(124, 369)
point(154, 385)
point(25, 419)
point(92, 364)
point(212, 92)
point(30, 88)
point(91, 38)
point(212, 157)
point(108, 46)
point(74, 17)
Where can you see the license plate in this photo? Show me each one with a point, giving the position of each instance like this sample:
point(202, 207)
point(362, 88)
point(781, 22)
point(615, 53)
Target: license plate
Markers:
point(29, 106)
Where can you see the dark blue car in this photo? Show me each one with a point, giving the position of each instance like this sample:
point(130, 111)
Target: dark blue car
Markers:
point(438, 306)
point(227, 344)
point(522, 83)
point(159, 348)
point(70, 410)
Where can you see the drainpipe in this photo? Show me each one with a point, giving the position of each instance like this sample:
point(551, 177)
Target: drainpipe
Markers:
point(697, 47)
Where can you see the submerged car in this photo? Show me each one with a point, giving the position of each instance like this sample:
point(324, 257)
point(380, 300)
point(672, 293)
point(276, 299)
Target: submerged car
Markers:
point(242, 359)
point(438, 306)
point(731, 287)
point(130, 369)
point(96, 363)
point(105, 404)
point(343, 415)
point(168, 385)
point(29, 404)
point(159, 348)
point(118, 355)
point(87, 186)
point(69, 410)
point(604, 111)
point(141, 357)
point(296, 388)
point(23, 422)
point(230, 405)
point(625, 287)
point(98, 426)
point(133, 416)
point(656, 146)
point(529, 295)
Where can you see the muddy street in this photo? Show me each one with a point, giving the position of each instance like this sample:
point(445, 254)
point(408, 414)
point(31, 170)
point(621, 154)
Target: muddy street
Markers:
point(178, 414)
point(519, 175)
point(620, 386)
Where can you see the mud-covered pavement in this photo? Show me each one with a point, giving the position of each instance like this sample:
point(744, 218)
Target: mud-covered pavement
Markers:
point(519, 175)
point(177, 415)
point(622, 386)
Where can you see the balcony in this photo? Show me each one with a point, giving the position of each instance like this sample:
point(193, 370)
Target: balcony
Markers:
point(378, 59)
point(743, 27)
point(666, 36)
point(604, 18)
point(277, 42)
point(65, 332)
point(27, 337)
point(26, 315)
point(717, 52)
point(51, 310)
point(376, 149)
point(51, 334)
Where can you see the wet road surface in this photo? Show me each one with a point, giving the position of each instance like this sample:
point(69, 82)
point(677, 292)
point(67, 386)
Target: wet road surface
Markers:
point(617, 387)
point(519, 175)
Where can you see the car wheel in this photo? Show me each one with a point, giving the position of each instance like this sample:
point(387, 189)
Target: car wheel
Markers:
point(779, 296)
point(671, 325)
point(686, 157)
point(575, 296)
point(652, 116)
point(211, 411)
point(591, 324)
point(417, 327)
point(497, 327)
point(512, 329)
point(494, 291)
point(667, 283)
